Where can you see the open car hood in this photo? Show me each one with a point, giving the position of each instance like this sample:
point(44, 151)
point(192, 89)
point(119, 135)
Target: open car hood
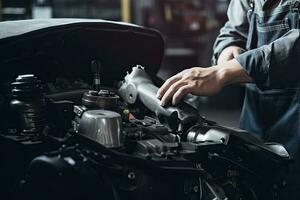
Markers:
point(65, 48)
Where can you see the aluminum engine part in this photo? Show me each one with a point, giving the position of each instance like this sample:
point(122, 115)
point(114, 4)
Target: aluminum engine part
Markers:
point(102, 126)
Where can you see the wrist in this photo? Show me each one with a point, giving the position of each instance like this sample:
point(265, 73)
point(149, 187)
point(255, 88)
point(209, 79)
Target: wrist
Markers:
point(231, 72)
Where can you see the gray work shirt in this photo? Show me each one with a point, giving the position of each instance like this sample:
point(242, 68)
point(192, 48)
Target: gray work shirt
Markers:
point(270, 34)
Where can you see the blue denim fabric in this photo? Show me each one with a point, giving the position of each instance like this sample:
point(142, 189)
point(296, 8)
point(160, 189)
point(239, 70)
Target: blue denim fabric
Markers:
point(271, 108)
point(274, 114)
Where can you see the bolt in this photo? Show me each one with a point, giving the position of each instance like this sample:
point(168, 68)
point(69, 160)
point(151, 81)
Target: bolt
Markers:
point(131, 175)
point(196, 188)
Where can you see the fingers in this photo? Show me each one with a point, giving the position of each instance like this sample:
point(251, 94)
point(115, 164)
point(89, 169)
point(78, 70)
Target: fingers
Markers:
point(168, 96)
point(180, 93)
point(162, 90)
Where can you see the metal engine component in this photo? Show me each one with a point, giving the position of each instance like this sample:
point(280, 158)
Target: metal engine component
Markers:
point(28, 105)
point(167, 152)
point(103, 127)
point(104, 99)
point(145, 156)
point(200, 134)
point(139, 86)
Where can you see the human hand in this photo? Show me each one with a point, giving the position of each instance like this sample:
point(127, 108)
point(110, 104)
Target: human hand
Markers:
point(229, 53)
point(201, 81)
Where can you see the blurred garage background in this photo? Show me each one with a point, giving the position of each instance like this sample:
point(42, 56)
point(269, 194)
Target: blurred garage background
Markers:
point(189, 28)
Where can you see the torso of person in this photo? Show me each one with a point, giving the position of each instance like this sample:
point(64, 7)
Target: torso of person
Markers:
point(274, 114)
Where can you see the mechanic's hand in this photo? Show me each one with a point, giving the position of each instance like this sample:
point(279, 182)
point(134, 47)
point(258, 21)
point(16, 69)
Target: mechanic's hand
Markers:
point(229, 53)
point(201, 81)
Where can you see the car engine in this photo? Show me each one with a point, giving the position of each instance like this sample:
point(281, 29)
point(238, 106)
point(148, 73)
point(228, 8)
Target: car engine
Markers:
point(118, 143)
point(112, 149)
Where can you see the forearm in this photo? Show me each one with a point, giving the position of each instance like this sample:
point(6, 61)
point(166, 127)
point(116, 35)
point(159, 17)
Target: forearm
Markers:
point(229, 53)
point(232, 72)
point(228, 37)
point(234, 32)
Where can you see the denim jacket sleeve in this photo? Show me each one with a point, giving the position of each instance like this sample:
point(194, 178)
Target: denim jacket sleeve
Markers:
point(235, 30)
point(275, 65)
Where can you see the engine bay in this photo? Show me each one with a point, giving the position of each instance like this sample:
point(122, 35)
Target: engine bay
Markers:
point(100, 133)
point(133, 152)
